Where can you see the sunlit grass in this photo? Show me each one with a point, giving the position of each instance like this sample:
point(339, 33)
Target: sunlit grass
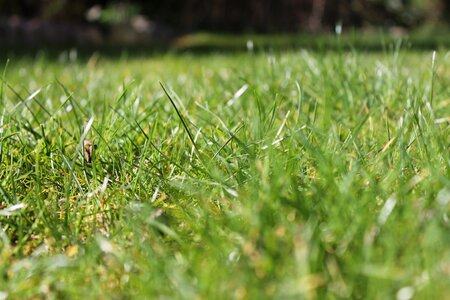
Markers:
point(257, 175)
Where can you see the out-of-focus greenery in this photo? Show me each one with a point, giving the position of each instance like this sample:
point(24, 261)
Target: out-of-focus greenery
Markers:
point(244, 16)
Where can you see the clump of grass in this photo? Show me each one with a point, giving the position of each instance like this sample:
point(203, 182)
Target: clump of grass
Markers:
point(253, 175)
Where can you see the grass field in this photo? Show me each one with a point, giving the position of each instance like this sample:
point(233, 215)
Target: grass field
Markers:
point(273, 174)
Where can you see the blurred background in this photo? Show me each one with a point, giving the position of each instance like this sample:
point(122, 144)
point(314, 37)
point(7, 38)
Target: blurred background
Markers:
point(140, 22)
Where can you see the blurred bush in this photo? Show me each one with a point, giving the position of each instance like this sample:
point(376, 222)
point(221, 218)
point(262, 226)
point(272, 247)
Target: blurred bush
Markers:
point(241, 16)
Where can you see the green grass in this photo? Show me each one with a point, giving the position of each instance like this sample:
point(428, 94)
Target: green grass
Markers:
point(286, 175)
point(371, 40)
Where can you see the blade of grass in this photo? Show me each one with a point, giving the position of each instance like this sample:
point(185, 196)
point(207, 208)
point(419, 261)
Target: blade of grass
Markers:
point(191, 137)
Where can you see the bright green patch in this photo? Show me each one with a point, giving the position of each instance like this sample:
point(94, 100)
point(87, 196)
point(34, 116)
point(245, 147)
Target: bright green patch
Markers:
point(266, 175)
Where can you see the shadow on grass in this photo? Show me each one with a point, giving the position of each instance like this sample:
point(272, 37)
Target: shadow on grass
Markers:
point(204, 43)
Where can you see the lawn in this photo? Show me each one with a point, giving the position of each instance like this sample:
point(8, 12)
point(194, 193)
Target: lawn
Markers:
point(293, 174)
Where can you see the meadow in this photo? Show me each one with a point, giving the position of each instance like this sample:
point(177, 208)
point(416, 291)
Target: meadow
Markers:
point(260, 174)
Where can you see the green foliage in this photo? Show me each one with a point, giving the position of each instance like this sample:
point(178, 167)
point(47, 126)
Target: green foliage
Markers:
point(117, 13)
point(265, 175)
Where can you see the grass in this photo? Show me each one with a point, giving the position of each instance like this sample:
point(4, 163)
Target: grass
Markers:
point(283, 174)
point(425, 38)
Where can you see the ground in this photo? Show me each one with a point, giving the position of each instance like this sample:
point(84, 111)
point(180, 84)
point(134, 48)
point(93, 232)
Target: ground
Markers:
point(255, 174)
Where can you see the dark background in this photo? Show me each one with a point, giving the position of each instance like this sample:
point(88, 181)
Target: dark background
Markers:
point(103, 21)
